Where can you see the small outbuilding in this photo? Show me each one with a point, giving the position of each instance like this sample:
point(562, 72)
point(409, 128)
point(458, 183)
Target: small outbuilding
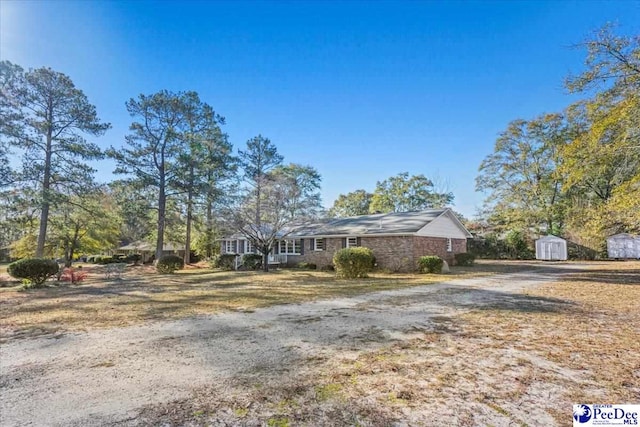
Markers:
point(623, 246)
point(551, 248)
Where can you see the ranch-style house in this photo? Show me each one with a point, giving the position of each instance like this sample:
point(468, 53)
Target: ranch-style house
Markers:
point(397, 239)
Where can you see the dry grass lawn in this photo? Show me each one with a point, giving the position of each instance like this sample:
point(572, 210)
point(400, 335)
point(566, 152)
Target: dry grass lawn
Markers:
point(142, 295)
point(499, 364)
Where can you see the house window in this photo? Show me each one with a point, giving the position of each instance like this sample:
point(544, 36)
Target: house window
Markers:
point(352, 242)
point(290, 247)
point(449, 245)
point(318, 244)
point(228, 246)
point(250, 248)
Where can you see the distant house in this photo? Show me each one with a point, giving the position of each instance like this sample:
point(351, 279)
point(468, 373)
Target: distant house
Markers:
point(551, 248)
point(396, 239)
point(148, 250)
point(623, 246)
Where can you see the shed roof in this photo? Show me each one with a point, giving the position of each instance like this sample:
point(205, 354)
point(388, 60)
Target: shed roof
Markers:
point(551, 237)
point(622, 236)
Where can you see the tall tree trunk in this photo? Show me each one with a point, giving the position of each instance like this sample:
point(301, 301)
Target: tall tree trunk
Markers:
point(187, 243)
point(162, 206)
point(46, 185)
point(265, 259)
point(258, 191)
point(66, 253)
point(209, 231)
point(72, 246)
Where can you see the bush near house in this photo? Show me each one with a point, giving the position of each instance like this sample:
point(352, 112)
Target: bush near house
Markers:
point(251, 261)
point(430, 264)
point(169, 263)
point(465, 259)
point(35, 270)
point(224, 261)
point(351, 263)
point(306, 266)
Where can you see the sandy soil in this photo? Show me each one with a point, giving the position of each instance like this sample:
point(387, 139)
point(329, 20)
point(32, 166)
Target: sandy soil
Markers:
point(105, 377)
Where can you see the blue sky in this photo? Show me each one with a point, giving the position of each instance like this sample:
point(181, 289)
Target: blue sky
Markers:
point(359, 90)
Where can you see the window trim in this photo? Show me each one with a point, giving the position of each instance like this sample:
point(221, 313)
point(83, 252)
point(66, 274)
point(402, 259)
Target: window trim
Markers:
point(449, 244)
point(355, 245)
point(228, 246)
point(289, 244)
point(315, 244)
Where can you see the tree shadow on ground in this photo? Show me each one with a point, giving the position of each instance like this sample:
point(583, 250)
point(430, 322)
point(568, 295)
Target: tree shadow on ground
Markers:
point(487, 299)
point(613, 277)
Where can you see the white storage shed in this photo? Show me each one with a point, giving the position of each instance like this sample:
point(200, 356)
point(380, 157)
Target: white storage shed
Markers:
point(551, 248)
point(623, 246)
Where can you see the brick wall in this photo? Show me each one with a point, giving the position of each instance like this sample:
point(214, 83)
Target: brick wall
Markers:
point(396, 253)
point(319, 258)
point(438, 246)
point(393, 252)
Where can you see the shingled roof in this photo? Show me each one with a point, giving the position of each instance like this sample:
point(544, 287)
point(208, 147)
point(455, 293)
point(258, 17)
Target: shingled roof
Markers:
point(364, 225)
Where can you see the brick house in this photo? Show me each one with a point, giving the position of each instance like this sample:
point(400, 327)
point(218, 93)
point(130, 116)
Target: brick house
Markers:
point(397, 239)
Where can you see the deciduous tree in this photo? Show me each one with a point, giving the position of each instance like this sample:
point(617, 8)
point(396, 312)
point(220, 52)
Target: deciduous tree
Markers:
point(403, 193)
point(85, 223)
point(351, 204)
point(525, 189)
point(602, 163)
point(275, 197)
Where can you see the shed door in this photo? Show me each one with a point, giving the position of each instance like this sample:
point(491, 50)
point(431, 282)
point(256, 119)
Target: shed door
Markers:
point(551, 250)
point(629, 250)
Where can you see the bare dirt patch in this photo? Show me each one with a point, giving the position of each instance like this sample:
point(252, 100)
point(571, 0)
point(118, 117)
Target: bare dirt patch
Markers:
point(141, 295)
point(493, 350)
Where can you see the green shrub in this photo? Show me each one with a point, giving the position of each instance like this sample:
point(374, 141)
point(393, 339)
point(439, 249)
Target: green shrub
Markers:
point(328, 267)
point(224, 261)
point(351, 263)
point(169, 263)
point(465, 259)
point(133, 258)
point(104, 259)
point(35, 270)
point(430, 264)
point(306, 266)
point(251, 261)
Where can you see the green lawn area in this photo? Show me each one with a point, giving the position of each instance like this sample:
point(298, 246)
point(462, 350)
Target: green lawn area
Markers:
point(142, 295)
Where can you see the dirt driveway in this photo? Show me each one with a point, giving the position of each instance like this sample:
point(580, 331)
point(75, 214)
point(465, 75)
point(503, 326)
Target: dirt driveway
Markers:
point(105, 377)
